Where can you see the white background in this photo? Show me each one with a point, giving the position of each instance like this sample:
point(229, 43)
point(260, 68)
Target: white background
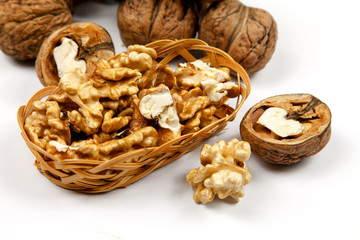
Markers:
point(317, 52)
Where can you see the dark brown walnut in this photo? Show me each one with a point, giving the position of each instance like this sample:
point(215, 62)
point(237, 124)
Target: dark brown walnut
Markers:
point(248, 34)
point(202, 5)
point(25, 24)
point(142, 22)
point(94, 43)
point(314, 115)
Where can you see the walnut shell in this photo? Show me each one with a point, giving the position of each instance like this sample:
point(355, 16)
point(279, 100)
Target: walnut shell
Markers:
point(202, 5)
point(25, 24)
point(94, 43)
point(142, 22)
point(313, 114)
point(247, 34)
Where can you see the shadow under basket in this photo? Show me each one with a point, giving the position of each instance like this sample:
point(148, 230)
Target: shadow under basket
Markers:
point(93, 176)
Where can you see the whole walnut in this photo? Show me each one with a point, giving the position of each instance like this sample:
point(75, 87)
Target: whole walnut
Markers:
point(202, 5)
point(247, 34)
point(24, 24)
point(141, 22)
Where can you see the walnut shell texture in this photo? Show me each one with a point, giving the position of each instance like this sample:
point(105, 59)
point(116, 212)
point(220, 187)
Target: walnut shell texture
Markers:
point(94, 43)
point(247, 34)
point(144, 21)
point(25, 24)
point(305, 108)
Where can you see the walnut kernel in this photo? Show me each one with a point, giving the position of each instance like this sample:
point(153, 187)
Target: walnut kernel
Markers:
point(224, 171)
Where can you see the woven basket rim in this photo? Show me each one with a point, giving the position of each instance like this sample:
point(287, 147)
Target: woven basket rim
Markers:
point(84, 177)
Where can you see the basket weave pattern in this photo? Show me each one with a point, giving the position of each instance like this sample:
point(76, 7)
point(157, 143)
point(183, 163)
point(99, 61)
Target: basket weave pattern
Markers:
point(87, 175)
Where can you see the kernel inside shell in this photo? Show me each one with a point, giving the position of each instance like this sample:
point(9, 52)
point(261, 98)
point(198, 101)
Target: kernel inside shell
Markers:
point(313, 114)
point(94, 43)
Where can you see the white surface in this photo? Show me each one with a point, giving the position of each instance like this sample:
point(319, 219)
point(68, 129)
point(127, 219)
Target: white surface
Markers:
point(317, 53)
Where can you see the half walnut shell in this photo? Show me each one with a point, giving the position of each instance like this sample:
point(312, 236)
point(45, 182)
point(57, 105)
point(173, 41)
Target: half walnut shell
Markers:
point(314, 115)
point(94, 43)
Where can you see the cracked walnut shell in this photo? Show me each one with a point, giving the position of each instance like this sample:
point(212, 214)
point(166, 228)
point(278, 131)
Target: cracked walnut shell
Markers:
point(142, 22)
point(24, 25)
point(247, 34)
point(93, 43)
point(309, 111)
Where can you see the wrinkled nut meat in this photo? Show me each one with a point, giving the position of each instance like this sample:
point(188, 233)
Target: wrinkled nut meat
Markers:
point(126, 102)
point(191, 74)
point(285, 129)
point(159, 105)
point(78, 45)
point(274, 119)
point(24, 25)
point(248, 34)
point(142, 22)
point(224, 172)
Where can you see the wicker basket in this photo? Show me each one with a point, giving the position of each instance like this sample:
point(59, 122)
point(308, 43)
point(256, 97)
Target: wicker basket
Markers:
point(86, 175)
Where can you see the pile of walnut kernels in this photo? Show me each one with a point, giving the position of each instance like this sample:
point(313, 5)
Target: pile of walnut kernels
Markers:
point(130, 102)
point(126, 95)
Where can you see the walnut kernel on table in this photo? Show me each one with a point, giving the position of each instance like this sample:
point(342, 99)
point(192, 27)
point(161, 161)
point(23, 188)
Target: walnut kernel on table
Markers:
point(142, 22)
point(224, 172)
point(247, 34)
point(25, 24)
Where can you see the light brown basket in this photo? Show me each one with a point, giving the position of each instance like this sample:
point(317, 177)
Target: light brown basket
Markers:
point(86, 175)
